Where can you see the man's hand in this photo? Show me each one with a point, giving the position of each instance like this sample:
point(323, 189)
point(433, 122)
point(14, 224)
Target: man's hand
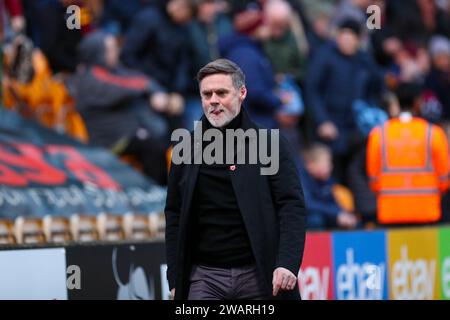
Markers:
point(159, 101)
point(18, 23)
point(172, 294)
point(176, 104)
point(283, 279)
point(346, 220)
point(286, 96)
point(328, 131)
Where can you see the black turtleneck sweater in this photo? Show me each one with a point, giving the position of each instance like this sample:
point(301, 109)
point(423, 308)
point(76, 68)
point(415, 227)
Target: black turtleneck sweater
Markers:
point(220, 237)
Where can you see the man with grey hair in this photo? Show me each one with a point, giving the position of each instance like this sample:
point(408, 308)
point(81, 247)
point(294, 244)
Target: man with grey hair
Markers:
point(437, 82)
point(232, 233)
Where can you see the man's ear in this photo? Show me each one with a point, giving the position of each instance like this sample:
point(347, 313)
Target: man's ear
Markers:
point(242, 93)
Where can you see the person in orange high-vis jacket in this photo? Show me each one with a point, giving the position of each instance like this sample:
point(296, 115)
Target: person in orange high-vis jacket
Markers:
point(408, 165)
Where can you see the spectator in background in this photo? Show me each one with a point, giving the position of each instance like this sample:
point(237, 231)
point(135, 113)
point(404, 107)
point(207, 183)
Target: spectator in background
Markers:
point(157, 44)
point(300, 23)
point(285, 54)
point(282, 47)
point(351, 9)
point(354, 10)
point(209, 25)
point(368, 116)
point(245, 49)
point(437, 81)
point(401, 44)
point(323, 209)
point(414, 22)
point(400, 62)
point(32, 90)
point(114, 103)
point(118, 15)
point(383, 41)
point(408, 165)
point(11, 15)
point(47, 28)
point(320, 13)
point(433, 19)
point(337, 76)
point(236, 6)
point(411, 66)
point(444, 5)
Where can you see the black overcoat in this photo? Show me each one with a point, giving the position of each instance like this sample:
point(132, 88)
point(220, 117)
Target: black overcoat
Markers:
point(272, 208)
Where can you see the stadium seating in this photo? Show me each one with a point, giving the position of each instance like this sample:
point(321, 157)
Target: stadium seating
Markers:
point(56, 229)
point(136, 226)
point(82, 228)
point(7, 232)
point(110, 227)
point(29, 230)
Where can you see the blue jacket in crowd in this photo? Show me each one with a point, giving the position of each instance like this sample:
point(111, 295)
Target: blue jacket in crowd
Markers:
point(320, 203)
point(261, 101)
point(333, 82)
point(117, 15)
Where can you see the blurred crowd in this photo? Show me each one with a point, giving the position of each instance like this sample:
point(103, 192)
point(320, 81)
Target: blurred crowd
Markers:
point(325, 72)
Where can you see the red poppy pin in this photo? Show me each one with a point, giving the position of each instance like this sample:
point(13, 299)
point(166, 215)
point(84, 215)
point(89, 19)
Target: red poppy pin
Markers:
point(233, 167)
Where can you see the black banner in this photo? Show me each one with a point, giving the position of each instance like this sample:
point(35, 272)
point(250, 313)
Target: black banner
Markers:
point(134, 271)
point(43, 172)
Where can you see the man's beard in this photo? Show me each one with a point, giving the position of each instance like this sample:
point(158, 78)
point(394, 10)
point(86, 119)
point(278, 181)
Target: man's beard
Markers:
point(220, 120)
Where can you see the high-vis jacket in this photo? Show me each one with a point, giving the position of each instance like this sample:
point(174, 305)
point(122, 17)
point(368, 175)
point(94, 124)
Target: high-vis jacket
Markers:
point(408, 167)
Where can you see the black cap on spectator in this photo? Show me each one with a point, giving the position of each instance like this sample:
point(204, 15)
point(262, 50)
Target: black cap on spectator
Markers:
point(350, 24)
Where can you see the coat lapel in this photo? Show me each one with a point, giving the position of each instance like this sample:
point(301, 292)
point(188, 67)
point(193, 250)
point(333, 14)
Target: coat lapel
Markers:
point(191, 175)
point(243, 175)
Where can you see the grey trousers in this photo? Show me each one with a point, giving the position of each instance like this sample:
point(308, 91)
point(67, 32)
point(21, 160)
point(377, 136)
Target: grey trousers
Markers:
point(209, 283)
